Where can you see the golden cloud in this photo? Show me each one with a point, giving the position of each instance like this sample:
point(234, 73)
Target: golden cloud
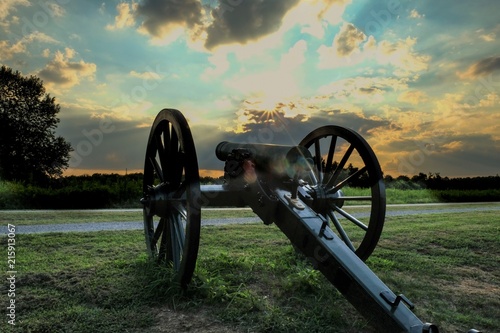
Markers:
point(125, 17)
point(480, 68)
point(413, 97)
point(64, 73)
point(7, 50)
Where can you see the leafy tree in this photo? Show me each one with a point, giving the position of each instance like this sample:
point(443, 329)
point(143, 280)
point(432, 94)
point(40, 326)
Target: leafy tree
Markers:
point(29, 148)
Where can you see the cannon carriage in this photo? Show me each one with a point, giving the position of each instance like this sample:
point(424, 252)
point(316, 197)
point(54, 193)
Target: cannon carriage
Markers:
point(299, 188)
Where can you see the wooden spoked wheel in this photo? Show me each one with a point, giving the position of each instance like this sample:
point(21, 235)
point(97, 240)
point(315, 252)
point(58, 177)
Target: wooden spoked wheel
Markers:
point(171, 193)
point(345, 164)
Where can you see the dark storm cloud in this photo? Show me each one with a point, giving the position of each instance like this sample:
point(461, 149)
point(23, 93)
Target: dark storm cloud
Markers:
point(243, 21)
point(158, 14)
point(437, 155)
point(361, 125)
point(104, 143)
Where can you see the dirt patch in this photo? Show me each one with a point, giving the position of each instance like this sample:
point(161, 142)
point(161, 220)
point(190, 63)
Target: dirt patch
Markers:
point(475, 282)
point(197, 321)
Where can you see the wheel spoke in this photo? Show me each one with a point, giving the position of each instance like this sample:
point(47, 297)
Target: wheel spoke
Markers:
point(181, 190)
point(341, 166)
point(341, 230)
point(346, 181)
point(178, 170)
point(174, 245)
point(319, 166)
point(180, 233)
point(166, 139)
point(165, 252)
point(331, 151)
point(181, 209)
point(157, 233)
point(174, 144)
point(350, 218)
point(162, 154)
point(156, 167)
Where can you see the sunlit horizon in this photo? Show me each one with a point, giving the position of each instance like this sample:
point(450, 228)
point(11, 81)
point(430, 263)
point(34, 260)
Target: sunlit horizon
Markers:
point(420, 81)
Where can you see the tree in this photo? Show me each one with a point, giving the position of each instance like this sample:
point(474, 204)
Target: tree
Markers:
point(29, 149)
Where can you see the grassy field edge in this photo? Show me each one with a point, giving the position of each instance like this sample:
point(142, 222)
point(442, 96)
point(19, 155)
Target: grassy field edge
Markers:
point(249, 279)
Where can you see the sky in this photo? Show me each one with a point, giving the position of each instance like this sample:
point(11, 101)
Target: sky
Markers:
point(418, 79)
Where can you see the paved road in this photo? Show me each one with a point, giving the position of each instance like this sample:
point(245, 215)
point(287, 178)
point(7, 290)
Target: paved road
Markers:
point(392, 210)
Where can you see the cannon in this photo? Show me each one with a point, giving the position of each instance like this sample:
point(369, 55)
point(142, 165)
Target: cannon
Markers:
point(299, 188)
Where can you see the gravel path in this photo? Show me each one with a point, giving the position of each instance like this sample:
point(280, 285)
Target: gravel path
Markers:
point(100, 226)
point(138, 225)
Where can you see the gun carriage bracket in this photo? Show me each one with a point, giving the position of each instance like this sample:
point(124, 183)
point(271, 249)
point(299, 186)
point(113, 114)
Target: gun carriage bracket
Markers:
point(297, 187)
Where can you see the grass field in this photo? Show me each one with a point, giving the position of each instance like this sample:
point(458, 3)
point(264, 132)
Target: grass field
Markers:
point(249, 279)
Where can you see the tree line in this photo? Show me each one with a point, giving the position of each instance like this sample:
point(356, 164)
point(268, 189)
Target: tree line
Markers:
point(114, 191)
point(434, 181)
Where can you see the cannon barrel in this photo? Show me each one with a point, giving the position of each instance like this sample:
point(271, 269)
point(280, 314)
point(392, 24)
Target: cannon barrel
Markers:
point(277, 159)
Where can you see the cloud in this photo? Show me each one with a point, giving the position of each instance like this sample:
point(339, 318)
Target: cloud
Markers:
point(489, 36)
point(277, 81)
point(145, 75)
point(111, 144)
point(351, 47)
point(348, 40)
point(414, 14)
point(8, 50)
point(220, 66)
point(295, 56)
point(227, 25)
point(314, 16)
point(401, 55)
point(332, 10)
point(290, 122)
point(490, 100)
point(246, 21)
point(6, 7)
point(54, 9)
point(481, 68)
point(413, 97)
point(162, 16)
point(62, 72)
point(9, 7)
point(125, 17)
point(362, 89)
point(458, 155)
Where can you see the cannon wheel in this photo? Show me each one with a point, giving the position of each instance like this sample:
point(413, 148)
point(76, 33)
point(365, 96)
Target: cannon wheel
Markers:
point(171, 188)
point(342, 158)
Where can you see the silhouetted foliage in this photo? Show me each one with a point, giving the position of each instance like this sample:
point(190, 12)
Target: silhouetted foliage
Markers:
point(434, 181)
point(29, 149)
point(113, 190)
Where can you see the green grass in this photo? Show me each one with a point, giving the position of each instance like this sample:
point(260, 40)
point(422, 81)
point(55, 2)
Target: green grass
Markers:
point(417, 196)
point(248, 278)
